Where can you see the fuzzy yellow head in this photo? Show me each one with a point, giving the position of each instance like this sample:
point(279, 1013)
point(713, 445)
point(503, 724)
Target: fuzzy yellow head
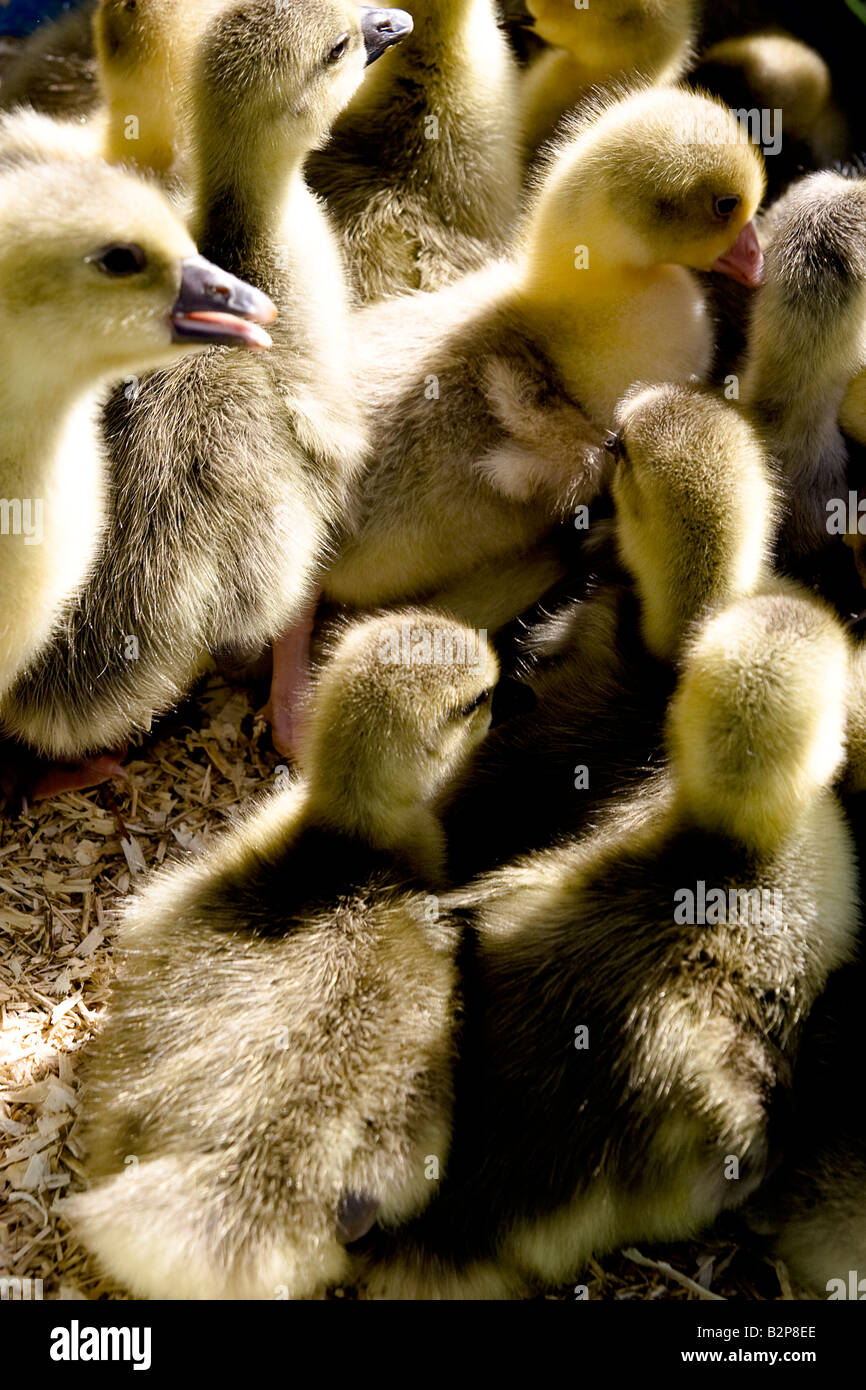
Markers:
point(662, 177)
point(780, 70)
point(757, 726)
point(141, 38)
point(607, 36)
point(694, 507)
point(98, 286)
point(270, 62)
point(62, 302)
point(400, 707)
point(144, 48)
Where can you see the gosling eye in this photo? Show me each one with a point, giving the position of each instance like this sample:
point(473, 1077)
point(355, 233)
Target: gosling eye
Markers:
point(131, 5)
point(473, 705)
point(338, 50)
point(615, 445)
point(723, 207)
point(120, 258)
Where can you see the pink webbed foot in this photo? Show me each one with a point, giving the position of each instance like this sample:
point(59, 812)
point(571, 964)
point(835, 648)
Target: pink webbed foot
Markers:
point(286, 706)
point(26, 775)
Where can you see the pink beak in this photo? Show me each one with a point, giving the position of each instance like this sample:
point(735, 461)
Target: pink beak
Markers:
point(744, 262)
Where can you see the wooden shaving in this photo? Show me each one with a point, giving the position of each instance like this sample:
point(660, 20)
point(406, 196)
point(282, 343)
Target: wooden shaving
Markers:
point(65, 867)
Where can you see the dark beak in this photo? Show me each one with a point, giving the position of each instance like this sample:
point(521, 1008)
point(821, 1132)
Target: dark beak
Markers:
point(515, 12)
point(356, 1215)
point(382, 29)
point(214, 307)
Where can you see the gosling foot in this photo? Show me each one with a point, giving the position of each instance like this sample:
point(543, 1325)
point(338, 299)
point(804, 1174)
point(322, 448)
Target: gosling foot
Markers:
point(286, 708)
point(27, 776)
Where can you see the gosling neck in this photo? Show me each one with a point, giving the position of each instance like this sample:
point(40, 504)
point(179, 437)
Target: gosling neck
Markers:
point(572, 265)
point(669, 615)
point(441, 23)
point(51, 480)
point(145, 137)
point(35, 415)
point(572, 252)
point(446, 34)
point(395, 824)
point(246, 185)
point(574, 76)
point(795, 381)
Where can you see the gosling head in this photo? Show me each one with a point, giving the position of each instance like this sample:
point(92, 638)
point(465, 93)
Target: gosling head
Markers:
point(143, 49)
point(780, 71)
point(609, 36)
point(807, 340)
point(131, 36)
point(816, 256)
point(99, 278)
point(695, 508)
point(661, 177)
point(400, 708)
point(757, 726)
point(290, 65)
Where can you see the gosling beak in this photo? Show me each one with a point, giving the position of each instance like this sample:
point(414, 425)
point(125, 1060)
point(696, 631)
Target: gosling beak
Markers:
point(382, 29)
point(356, 1215)
point(516, 12)
point(744, 262)
point(214, 307)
